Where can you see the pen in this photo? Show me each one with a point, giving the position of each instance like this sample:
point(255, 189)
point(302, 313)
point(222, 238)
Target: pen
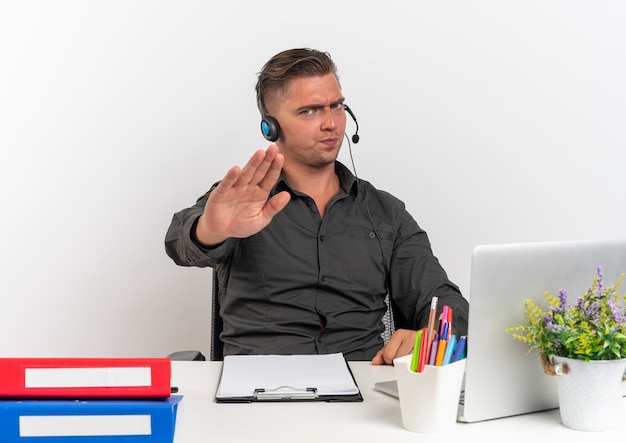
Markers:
point(451, 346)
point(459, 352)
point(444, 332)
point(433, 350)
point(423, 351)
point(416, 350)
point(444, 322)
point(441, 349)
point(449, 323)
point(432, 315)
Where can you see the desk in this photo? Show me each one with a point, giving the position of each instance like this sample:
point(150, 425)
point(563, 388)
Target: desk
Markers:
point(377, 418)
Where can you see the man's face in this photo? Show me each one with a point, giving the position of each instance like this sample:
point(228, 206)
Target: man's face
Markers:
point(312, 120)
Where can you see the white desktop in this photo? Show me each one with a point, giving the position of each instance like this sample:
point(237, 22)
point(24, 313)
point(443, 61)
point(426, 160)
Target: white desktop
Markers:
point(377, 418)
point(506, 393)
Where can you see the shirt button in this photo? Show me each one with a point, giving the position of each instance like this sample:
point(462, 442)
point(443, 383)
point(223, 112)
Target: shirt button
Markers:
point(324, 278)
point(372, 235)
point(322, 237)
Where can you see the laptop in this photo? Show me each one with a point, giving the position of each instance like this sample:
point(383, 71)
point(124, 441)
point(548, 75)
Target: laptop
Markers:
point(501, 377)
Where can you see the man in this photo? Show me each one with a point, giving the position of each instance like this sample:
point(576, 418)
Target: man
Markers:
point(305, 253)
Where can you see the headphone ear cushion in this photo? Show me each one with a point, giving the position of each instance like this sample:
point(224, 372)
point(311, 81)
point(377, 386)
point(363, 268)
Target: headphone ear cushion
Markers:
point(270, 128)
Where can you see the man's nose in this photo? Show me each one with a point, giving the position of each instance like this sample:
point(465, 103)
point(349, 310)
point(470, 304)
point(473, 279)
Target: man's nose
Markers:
point(328, 119)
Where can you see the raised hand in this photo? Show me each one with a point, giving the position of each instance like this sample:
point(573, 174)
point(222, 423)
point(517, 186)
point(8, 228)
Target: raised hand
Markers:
point(239, 205)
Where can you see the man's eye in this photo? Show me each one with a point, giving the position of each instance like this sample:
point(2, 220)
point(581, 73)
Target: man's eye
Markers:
point(337, 106)
point(307, 112)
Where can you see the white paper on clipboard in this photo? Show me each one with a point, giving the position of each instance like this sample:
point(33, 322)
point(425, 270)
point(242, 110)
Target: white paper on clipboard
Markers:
point(326, 374)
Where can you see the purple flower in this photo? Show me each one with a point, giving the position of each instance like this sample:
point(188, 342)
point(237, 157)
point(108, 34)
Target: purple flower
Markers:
point(562, 298)
point(616, 313)
point(593, 311)
point(553, 327)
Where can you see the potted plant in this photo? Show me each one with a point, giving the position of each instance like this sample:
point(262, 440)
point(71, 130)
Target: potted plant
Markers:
point(584, 344)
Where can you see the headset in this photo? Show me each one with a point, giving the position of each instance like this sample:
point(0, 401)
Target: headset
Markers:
point(271, 130)
point(355, 137)
point(269, 125)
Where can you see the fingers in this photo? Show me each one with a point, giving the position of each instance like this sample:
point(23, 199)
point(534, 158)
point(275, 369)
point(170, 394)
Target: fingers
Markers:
point(256, 170)
point(389, 353)
point(272, 174)
point(239, 205)
point(407, 343)
point(400, 344)
point(263, 169)
point(386, 355)
point(378, 358)
point(229, 180)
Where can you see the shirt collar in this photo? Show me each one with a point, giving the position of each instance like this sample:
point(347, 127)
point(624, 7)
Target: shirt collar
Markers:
point(347, 181)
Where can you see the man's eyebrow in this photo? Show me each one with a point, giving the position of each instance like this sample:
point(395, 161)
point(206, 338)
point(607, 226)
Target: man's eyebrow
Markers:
point(321, 105)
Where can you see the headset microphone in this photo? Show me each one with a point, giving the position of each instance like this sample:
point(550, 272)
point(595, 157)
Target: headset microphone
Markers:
point(355, 137)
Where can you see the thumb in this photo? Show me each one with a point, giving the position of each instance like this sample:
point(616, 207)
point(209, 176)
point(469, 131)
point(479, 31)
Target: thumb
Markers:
point(276, 204)
point(378, 358)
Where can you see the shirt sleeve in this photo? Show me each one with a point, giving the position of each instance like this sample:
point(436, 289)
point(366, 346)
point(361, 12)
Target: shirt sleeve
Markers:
point(180, 244)
point(416, 276)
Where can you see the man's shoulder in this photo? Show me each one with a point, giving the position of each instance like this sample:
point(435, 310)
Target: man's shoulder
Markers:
point(371, 191)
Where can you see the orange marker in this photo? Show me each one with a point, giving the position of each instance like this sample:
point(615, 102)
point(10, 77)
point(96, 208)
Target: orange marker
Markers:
point(441, 350)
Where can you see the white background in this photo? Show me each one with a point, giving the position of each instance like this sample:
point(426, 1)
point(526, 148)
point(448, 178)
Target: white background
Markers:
point(495, 121)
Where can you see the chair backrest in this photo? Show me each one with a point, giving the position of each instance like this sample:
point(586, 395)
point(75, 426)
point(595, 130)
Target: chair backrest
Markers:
point(217, 346)
point(388, 321)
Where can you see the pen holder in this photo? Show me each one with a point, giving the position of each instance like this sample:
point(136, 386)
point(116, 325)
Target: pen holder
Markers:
point(429, 400)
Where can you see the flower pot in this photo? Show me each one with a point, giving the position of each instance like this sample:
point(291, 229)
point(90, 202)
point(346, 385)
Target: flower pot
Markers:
point(590, 393)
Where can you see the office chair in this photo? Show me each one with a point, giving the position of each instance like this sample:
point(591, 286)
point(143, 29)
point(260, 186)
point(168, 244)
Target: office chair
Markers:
point(217, 325)
point(217, 346)
point(389, 321)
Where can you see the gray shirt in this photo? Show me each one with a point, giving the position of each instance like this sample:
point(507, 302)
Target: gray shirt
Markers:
point(307, 285)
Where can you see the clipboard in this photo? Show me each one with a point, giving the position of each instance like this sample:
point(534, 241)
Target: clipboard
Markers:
point(295, 378)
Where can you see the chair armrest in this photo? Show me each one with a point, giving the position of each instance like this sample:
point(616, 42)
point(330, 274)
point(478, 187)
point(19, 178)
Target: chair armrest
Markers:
point(187, 356)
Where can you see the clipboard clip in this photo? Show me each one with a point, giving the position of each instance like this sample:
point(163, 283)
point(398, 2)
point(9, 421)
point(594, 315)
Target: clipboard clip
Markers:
point(285, 393)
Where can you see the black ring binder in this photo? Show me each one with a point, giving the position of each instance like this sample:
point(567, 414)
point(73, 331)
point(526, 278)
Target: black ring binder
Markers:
point(285, 393)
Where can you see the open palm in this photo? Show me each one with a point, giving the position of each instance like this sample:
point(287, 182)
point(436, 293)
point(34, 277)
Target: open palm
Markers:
point(239, 205)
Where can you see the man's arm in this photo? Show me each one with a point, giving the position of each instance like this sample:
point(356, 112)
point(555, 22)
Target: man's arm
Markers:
point(415, 277)
point(179, 243)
